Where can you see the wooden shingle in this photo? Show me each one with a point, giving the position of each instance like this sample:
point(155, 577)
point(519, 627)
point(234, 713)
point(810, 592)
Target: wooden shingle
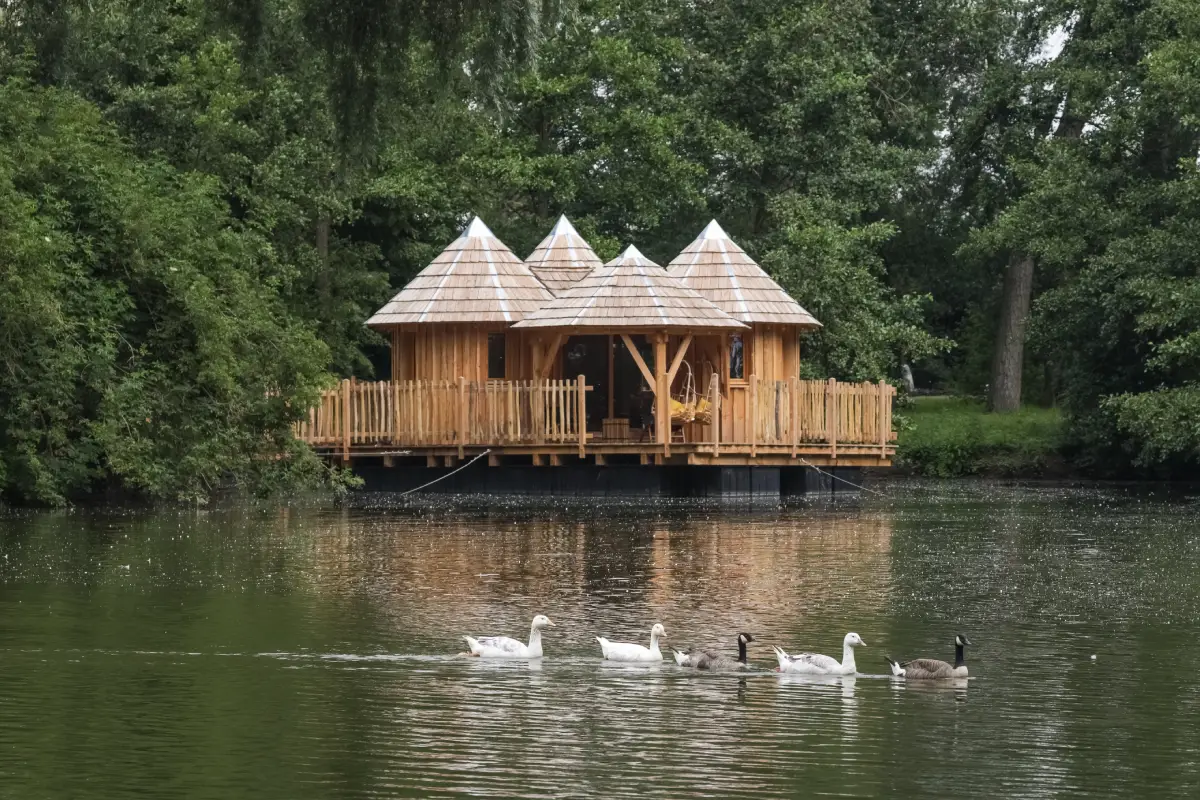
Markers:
point(630, 292)
point(563, 258)
point(476, 279)
point(722, 272)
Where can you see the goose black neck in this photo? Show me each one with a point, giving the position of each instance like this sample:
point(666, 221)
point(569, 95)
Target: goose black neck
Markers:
point(741, 650)
point(959, 658)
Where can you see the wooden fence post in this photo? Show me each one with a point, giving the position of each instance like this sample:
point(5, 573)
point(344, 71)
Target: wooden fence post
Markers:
point(883, 426)
point(794, 387)
point(753, 415)
point(462, 416)
point(831, 415)
point(396, 412)
point(581, 416)
point(346, 404)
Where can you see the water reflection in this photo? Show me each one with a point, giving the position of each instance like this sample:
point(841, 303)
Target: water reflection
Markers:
point(312, 652)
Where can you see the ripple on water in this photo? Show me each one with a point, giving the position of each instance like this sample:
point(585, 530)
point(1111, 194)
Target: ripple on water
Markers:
point(306, 653)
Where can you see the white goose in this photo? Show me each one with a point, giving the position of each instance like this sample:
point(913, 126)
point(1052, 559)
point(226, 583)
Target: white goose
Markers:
point(817, 664)
point(504, 647)
point(628, 651)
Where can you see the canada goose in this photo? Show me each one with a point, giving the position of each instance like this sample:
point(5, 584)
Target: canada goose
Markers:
point(504, 647)
point(714, 660)
point(628, 651)
point(817, 664)
point(931, 667)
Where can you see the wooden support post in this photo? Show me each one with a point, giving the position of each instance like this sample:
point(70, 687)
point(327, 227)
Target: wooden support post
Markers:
point(715, 391)
point(600, 462)
point(347, 386)
point(548, 359)
point(641, 363)
point(794, 389)
point(555, 460)
point(752, 411)
point(612, 358)
point(389, 461)
point(831, 416)
point(431, 461)
point(493, 460)
point(581, 415)
point(679, 354)
point(662, 421)
point(883, 424)
point(535, 394)
point(644, 458)
point(537, 460)
point(462, 416)
point(448, 461)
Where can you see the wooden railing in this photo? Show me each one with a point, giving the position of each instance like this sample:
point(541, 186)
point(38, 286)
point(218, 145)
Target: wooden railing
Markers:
point(448, 413)
point(461, 413)
point(796, 412)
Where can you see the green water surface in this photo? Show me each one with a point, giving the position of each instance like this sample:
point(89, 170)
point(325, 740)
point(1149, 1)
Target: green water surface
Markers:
point(311, 651)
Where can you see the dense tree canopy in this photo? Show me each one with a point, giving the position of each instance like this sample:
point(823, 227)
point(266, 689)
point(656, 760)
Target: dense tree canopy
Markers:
point(202, 200)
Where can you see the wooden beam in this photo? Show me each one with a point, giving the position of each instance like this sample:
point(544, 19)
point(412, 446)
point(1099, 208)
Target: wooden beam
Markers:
point(346, 392)
point(662, 419)
point(678, 360)
point(637, 359)
point(611, 381)
point(581, 412)
point(551, 352)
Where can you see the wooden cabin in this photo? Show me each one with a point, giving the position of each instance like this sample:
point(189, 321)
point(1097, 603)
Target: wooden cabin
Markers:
point(769, 351)
point(562, 358)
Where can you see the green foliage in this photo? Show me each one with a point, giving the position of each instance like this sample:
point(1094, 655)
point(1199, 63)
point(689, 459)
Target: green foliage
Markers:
point(203, 201)
point(141, 337)
point(949, 437)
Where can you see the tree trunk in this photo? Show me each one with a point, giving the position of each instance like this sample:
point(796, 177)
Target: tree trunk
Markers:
point(1004, 394)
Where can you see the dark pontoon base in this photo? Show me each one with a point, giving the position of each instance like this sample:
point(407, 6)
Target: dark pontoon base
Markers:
point(766, 484)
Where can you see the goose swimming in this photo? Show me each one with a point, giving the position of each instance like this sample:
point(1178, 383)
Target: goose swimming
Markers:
point(930, 668)
point(714, 660)
point(504, 647)
point(628, 651)
point(817, 664)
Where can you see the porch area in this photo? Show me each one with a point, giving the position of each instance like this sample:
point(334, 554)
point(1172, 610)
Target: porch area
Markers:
point(546, 422)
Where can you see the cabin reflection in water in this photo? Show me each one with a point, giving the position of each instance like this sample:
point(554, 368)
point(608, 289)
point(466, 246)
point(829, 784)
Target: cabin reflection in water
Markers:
point(750, 574)
point(561, 361)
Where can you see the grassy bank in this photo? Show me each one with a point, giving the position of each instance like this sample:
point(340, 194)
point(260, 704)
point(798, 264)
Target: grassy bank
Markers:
point(949, 437)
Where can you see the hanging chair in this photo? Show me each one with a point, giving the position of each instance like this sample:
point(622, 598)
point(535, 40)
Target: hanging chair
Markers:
point(683, 405)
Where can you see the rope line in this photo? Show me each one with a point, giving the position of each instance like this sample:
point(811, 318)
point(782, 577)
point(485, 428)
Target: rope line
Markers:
point(447, 475)
point(836, 478)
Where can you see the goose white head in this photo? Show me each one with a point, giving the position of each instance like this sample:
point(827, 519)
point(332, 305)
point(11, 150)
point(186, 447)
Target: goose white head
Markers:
point(853, 640)
point(542, 621)
point(657, 631)
point(961, 641)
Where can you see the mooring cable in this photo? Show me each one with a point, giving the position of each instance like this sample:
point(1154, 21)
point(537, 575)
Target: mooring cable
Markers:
point(447, 475)
point(836, 478)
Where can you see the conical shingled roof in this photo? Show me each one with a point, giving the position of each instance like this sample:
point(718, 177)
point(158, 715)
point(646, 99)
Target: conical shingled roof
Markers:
point(563, 258)
point(717, 268)
point(476, 279)
point(630, 292)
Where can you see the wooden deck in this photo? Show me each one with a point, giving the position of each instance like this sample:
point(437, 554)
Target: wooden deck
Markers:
point(777, 423)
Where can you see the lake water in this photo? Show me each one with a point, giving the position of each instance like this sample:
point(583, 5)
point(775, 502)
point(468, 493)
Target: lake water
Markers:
point(310, 652)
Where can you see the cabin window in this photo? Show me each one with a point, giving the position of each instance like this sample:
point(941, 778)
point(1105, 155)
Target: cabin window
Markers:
point(737, 358)
point(496, 356)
